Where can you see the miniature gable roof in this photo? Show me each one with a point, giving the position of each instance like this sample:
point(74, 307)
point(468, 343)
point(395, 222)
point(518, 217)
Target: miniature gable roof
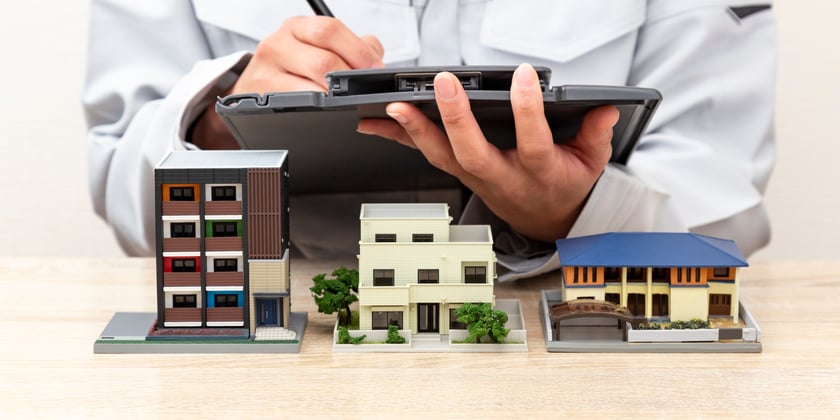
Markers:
point(649, 249)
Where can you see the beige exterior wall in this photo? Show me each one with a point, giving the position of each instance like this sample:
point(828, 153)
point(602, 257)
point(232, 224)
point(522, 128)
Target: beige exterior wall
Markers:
point(438, 227)
point(572, 293)
point(269, 276)
point(688, 303)
point(406, 258)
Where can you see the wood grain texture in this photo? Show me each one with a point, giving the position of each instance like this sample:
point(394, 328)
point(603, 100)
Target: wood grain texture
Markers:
point(53, 309)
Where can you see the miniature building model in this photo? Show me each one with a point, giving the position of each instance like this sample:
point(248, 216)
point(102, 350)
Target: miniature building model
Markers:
point(222, 232)
point(676, 276)
point(415, 269)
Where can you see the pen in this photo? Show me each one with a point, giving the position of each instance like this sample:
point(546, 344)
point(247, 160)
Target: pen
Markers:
point(320, 8)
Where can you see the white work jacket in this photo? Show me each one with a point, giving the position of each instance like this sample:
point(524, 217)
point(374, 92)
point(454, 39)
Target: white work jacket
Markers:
point(702, 166)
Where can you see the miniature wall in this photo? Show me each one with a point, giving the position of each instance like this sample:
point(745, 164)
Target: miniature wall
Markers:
point(44, 136)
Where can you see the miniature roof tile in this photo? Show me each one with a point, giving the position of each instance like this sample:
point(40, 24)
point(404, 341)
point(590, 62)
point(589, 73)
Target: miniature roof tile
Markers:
point(649, 249)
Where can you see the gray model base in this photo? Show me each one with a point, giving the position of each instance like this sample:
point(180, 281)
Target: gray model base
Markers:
point(126, 334)
point(607, 338)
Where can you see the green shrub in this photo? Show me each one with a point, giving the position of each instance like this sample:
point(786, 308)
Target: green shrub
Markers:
point(394, 336)
point(345, 338)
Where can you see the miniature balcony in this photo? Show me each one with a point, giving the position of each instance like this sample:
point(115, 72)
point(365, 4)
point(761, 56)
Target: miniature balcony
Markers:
point(383, 295)
point(182, 315)
point(182, 279)
point(224, 315)
point(451, 292)
point(179, 208)
point(181, 245)
point(220, 208)
point(225, 278)
point(225, 243)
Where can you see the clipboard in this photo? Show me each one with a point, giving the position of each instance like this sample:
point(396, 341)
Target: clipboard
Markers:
point(327, 155)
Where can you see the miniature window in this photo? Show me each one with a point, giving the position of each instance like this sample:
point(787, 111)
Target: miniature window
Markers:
point(385, 237)
point(224, 229)
point(661, 275)
point(181, 194)
point(660, 305)
point(422, 237)
point(453, 321)
point(383, 277)
point(636, 274)
point(613, 298)
point(225, 264)
point(226, 301)
point(182, 230)
point(475, 274)
point(721, 272)
point(428, 276)
point(223, 193)
point(184, 301)
point(181, 265)
point(381, 320)
point(612, 274)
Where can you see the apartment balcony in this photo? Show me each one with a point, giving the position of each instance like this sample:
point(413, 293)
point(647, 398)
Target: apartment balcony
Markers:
point(224, 243)
point(225, 315)
point(181, 245)
point(182, 315)
point(451, 292)
point(179, 208)
point(182, 279)
point(383, 295)
point(222, 208)
point(225, 278)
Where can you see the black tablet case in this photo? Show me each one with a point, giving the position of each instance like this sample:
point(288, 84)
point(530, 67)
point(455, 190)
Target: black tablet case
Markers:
point(327, 155)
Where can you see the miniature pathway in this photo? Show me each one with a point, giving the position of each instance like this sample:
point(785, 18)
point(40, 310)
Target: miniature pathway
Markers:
point(274, 333)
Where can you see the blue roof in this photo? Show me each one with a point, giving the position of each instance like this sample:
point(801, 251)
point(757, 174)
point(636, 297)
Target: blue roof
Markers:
point(649, 249)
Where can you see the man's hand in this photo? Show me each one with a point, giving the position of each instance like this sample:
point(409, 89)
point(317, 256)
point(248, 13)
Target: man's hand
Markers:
point(295, 58)
point(540, 187)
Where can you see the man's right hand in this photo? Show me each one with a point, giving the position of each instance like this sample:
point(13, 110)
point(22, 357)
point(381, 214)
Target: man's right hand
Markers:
point(295, 58)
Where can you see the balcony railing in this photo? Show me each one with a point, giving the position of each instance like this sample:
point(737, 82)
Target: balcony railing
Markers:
point(225, 243)
point(181, 245)
point(179, 208)
point(225, 315)
point(182, 315)
point(218, 208)
point(225, 278)
point(181, 279)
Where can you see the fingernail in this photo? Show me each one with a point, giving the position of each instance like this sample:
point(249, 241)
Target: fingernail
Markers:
point(400, 118)
point(361, 131)
point(525, 76)
point(444, 87)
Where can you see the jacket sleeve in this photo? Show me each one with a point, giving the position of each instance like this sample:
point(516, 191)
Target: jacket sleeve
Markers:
point(149, 74)
point(705, 161)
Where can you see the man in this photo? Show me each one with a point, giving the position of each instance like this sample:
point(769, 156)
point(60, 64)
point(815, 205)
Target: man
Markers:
point(156, 68)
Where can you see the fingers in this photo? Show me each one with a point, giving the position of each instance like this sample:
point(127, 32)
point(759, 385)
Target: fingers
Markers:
point(374, 43)
point(593, 144)
point(469, 146)
point(426, 136)
point(534, 141)
point(385, 128)
point(332, 35)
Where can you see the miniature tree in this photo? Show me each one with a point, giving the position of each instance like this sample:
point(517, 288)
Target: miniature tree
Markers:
point(482, 320)
point(337, 293)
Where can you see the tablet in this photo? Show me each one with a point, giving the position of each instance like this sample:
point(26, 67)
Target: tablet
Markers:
point(327, 155)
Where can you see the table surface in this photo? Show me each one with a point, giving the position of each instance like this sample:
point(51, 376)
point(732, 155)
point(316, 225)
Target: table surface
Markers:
point(55, 308)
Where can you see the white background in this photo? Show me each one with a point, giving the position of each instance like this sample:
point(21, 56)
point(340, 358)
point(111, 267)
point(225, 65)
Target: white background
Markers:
point(44, 203)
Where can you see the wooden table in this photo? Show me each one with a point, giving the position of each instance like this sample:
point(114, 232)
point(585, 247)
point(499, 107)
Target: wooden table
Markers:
point(53, 309)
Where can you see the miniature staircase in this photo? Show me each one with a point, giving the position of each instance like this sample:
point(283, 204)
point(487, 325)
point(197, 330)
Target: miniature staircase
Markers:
point(274, 333)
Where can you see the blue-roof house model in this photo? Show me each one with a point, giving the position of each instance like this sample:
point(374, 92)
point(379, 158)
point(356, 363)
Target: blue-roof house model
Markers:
point(662, 276)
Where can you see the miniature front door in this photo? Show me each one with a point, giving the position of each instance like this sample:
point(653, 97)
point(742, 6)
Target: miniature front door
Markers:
point(267, 312)
point(428, 315)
